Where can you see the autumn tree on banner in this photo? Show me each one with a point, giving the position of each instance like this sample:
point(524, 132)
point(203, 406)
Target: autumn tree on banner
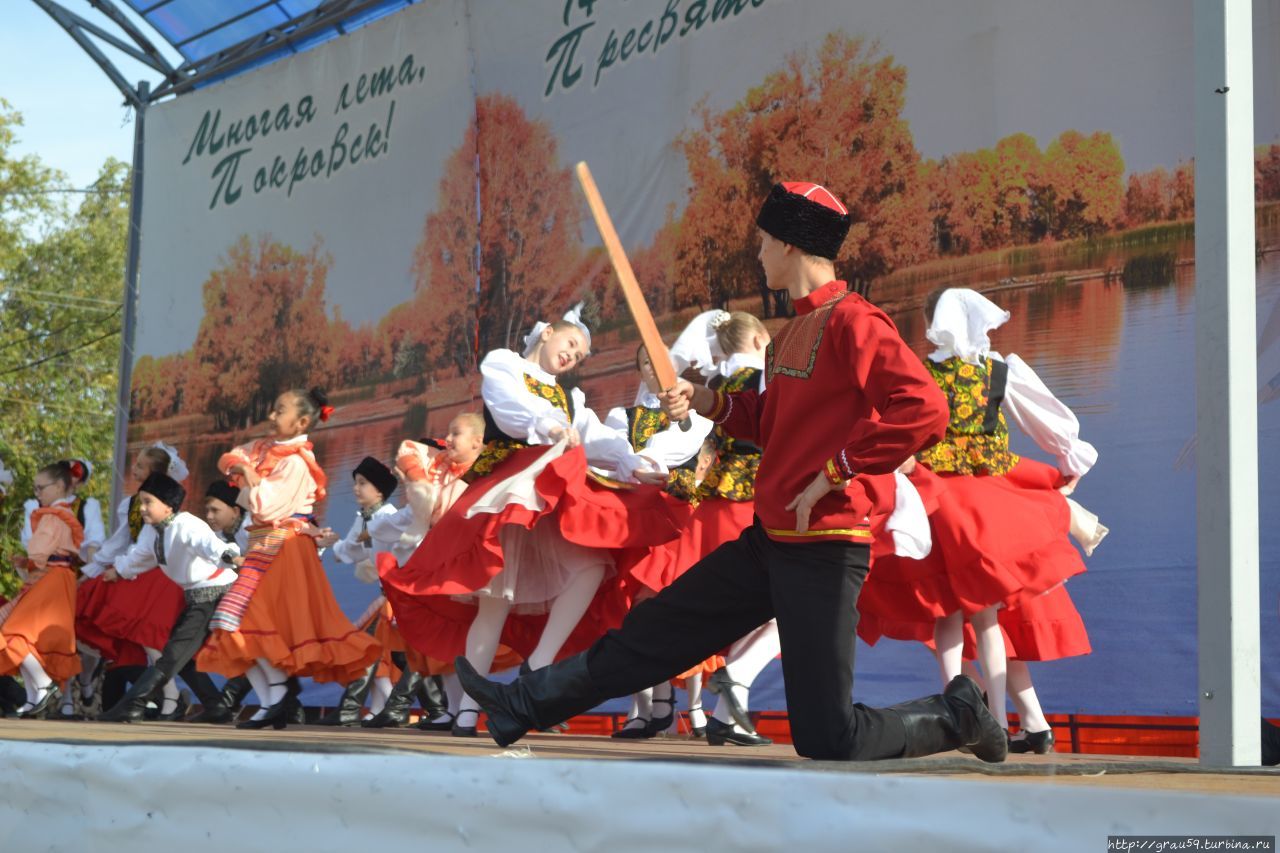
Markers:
point(836, 119)
point(527, 233)
point(984, 199)
point(159, 386)
point(1080, 190)
point(264, 330)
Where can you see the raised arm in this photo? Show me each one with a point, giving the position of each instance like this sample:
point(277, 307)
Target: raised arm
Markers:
point(1030, 404)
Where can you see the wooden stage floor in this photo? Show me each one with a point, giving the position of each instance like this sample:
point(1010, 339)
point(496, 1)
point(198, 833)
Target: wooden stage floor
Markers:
point(1152, 774)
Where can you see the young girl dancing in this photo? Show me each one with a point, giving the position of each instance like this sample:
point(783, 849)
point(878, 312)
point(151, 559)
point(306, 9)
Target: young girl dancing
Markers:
point(1001, 522)
point(519, 558)
point(37, 628)
point(280, 618)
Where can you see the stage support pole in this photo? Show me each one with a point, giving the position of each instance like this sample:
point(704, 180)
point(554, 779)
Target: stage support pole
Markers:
point(1226, 386)
point(127, 333)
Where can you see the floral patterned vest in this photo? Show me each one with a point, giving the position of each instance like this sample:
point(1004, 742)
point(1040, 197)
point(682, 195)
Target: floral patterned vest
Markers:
point(733, 475)
point(498, 445)
point(977, 439)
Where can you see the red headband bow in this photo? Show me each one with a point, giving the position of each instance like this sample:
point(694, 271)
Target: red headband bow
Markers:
point(325, 412)
point(77, 470)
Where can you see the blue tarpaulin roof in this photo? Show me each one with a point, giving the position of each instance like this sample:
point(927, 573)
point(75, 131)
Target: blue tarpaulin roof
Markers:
point(199, 29)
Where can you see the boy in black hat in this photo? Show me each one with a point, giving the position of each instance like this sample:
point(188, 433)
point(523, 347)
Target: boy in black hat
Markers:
point(224, 514)
point(372, 483)
point(196, 559)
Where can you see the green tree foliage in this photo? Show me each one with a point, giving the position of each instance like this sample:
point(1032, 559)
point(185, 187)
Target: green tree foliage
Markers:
point(61, 285)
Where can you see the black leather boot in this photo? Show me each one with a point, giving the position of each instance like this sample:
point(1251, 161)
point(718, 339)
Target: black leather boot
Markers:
point(348, 711)
point(431, 697)
point(395, 713)
point(222, 709)
point(133, 706)
point(12, 696)
point(954, 718)
point(538, 700)
point(1270, 744)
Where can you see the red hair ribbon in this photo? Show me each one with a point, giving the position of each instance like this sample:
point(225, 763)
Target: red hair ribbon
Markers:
point(77, 470)
point(325, 412)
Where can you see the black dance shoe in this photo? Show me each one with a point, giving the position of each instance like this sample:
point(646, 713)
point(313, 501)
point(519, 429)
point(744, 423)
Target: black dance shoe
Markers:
point(634, 732)
point(426, 724)
point(660, 724)
point(459, 730)
point(722, 685)
point(40, 709)
point(1041, 743)
point(719, 734)
point(277, 716)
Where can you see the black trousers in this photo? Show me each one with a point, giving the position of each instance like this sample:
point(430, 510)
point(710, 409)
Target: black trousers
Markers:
point(811, 589)
point(185, 640)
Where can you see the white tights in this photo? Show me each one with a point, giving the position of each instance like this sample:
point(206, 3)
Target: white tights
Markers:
point(269, 683)
point(948, 637)
point(379, 692)
point(491, 615)
point(34, 678)
point(1023, 693)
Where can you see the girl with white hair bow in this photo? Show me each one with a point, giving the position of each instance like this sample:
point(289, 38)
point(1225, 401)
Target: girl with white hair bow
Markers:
point(517, 561)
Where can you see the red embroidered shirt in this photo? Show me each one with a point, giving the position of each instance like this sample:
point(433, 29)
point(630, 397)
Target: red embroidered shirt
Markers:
point(841, 387)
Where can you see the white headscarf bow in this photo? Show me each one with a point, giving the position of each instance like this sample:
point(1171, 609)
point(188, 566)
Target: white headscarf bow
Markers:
point(961, 321)
point(698, 347)
point(573, 315)
point(177, 468)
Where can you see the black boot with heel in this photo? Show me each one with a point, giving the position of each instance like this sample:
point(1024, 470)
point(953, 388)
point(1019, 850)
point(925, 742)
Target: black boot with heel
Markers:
point(949, 720)
point(538, 700)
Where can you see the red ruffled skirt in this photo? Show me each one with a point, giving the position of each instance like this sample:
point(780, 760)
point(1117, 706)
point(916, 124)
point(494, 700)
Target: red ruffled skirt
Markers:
point(294, 623)
point(521, 533)
point(1047, 627)
point(997, 540)
point(118, 619)
point(704, 528)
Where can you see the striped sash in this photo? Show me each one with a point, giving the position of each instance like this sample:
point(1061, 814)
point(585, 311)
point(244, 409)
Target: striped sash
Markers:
point(264, 544)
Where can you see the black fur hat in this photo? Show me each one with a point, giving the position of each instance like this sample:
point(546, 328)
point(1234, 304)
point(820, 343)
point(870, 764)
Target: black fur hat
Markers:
point(223, 491)
point(807, 216)
point(165, 489)
point(377, 474)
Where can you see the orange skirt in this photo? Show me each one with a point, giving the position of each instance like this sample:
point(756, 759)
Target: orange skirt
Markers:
point(388, 640)
point(294, 623)
point(43, 624)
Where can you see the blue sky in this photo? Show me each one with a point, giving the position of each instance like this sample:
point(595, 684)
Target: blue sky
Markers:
point(74, 117)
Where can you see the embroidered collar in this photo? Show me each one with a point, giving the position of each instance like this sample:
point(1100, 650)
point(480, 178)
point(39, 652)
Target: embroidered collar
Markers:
point(367, 512)
point(819, 297)
point(161, 526)
point(535, 370)
point(737, 362)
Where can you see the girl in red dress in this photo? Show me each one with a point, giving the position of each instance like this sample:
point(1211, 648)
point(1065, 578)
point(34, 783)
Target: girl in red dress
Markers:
point(127, 624)
point(518, 560)
point(1000, 523)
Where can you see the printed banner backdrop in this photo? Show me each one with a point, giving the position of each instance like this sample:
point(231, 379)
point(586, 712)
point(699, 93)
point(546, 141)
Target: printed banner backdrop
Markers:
point(376, 214)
